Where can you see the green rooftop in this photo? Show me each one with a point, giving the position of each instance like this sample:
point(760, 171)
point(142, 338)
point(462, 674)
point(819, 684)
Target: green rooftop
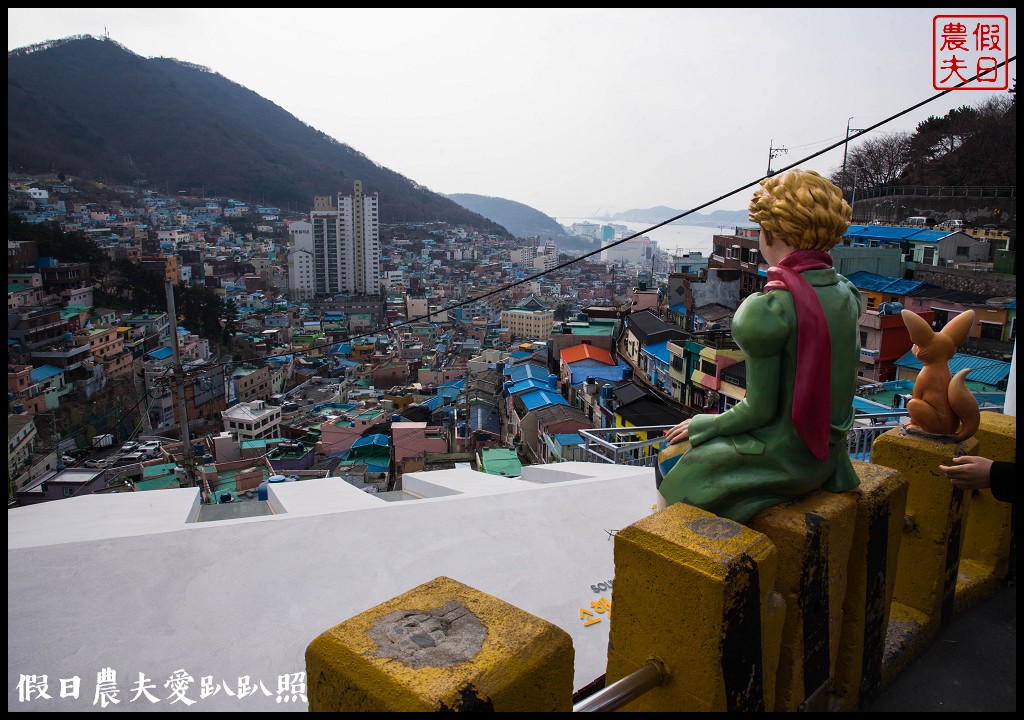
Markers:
point(500, 461)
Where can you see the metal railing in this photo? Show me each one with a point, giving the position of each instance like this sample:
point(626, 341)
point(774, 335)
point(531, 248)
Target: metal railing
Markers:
point(623, 690)
point(639, 446)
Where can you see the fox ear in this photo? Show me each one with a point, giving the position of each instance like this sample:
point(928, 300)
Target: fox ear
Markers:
point(958, 327)
point(921, 333)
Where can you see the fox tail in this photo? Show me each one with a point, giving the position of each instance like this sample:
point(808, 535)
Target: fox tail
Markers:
point(964, 406)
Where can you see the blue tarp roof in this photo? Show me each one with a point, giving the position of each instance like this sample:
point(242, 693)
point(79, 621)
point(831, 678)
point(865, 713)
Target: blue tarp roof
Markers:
point(542, 398)
point(983, 370)
point(678, 308)
point(564, 439)
point(161, 353)
point(864, 280)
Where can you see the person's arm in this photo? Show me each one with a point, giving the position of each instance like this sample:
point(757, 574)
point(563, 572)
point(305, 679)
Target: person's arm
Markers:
point(1003, 477)
point(973, 472)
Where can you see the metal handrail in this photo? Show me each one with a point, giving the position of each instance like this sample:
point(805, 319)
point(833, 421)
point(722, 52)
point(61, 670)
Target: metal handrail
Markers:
point(859, 439)
point(623, 690)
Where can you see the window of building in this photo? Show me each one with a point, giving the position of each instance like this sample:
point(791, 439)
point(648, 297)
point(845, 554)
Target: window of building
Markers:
point(991, 330)
point(963, 250)
point(863, 339)
point(708, 368)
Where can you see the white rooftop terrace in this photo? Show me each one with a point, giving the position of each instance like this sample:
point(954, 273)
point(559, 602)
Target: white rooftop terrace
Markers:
point(131, 582)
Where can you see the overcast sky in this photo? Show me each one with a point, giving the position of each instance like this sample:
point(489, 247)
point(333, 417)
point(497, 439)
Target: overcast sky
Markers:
point(572, 111)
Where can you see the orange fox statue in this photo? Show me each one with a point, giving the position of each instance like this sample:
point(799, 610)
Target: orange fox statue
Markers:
point(941, 404)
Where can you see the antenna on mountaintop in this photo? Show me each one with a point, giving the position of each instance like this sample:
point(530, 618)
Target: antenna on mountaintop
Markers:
point(106, 35)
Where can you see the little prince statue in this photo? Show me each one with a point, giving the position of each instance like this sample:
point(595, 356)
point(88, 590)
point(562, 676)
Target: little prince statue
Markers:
point(801, 343)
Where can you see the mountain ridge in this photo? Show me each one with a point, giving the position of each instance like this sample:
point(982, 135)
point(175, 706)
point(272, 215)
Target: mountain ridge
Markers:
point(93, 108)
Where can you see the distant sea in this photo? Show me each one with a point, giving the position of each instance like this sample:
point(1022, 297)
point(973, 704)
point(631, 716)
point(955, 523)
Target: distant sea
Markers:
point(671, 238)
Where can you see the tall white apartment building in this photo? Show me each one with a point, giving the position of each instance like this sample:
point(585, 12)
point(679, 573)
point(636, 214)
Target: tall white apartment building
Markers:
point(301, 284)
point(346, 243)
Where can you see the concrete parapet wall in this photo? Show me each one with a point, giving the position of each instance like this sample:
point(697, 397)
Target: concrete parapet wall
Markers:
point(817, 604)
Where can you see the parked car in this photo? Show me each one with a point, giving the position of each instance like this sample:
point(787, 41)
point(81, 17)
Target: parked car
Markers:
point(67, 460)
point(130, 446)
point(129, 458)
point(95, 463)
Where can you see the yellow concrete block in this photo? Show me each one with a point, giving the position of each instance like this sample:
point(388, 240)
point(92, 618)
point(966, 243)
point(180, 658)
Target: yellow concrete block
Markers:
point(930, 550)
point(985, 555)
point(442, 646)
point(871, 577)
point(909, 634)
point(812, 535)
point(694, 592)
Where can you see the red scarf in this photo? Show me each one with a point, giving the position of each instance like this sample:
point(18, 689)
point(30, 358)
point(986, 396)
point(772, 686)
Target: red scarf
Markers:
point(812, 417)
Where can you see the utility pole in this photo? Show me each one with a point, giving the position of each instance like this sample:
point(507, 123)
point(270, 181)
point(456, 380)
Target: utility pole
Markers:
point(846, 145)
point(190, 471)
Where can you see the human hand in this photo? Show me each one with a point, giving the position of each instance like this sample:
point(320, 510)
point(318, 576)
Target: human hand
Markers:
point(679, 433)
point(969, 472)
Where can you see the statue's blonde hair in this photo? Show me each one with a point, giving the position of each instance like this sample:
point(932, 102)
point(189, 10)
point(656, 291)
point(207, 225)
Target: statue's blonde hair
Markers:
point(802, 209)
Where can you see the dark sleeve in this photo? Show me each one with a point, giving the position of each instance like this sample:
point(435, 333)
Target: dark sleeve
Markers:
point(1002, 476)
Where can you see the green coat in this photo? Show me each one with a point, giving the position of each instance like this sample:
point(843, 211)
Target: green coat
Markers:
point(750, 457)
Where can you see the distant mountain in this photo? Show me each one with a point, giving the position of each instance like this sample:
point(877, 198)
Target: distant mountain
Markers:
point(521, 220)
point(661, 213)
point(91, 108)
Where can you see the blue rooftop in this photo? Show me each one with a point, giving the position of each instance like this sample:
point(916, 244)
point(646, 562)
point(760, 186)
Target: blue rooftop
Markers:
point(161, 353)
point(528, 385)
point(44, 372)
point(378, 439)
point(983, 370)
point(659, 351)
point(611, 373)
point(564, 439)
point(528, 370)
point(864, 280)
point(434, 403)
point(542, 398)
point(894, 234)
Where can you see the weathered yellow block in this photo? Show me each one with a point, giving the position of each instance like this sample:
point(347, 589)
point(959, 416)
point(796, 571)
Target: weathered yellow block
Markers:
point(812, 535)
point(930, 550)
point(871, 577)
point(694, 592)
point(442, 646)
point(985, 555)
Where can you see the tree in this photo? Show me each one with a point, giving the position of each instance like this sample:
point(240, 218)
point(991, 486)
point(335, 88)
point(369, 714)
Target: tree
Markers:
point(875, 161)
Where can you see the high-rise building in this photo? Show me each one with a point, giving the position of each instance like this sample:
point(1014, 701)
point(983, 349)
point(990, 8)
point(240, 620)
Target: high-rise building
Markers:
point(300, 261)
point(346, 243)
